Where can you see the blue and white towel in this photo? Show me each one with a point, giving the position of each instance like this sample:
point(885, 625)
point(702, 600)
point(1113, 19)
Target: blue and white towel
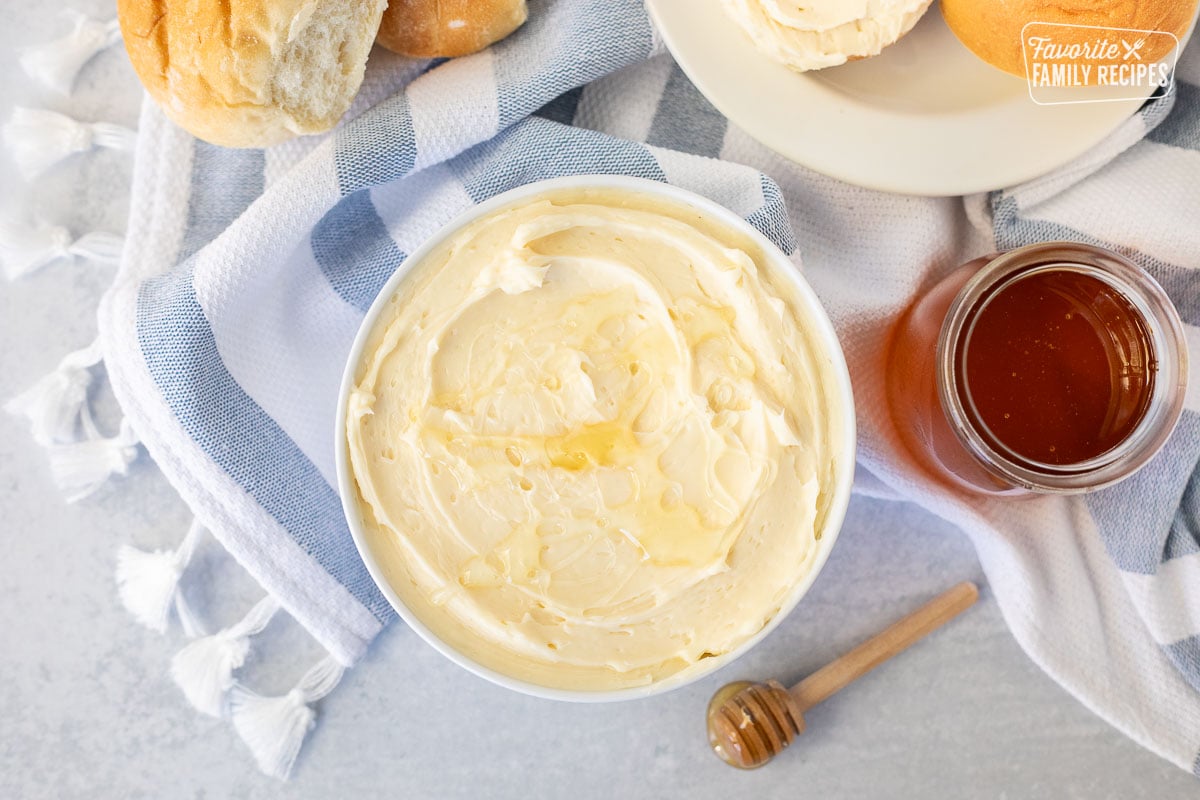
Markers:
point(246, 274)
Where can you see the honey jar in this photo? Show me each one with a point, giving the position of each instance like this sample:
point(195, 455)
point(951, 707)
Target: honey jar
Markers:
point(1052, 368)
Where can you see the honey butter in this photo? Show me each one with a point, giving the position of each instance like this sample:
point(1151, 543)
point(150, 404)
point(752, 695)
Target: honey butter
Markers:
point(593, 440)
point(824, 33)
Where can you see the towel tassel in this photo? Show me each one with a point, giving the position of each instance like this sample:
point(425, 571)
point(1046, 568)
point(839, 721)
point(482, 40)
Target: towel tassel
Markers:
point(274, 727)
point(39, 139)
point(148, 583)
point(204, 668)
point(57, 63)
point(80, 468)
point(53, 404)
point(27, 247)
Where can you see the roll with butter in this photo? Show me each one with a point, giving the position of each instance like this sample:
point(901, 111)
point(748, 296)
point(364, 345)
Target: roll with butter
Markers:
point(824, 33)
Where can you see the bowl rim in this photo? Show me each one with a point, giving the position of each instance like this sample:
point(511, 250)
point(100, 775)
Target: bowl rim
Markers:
point(824, 334)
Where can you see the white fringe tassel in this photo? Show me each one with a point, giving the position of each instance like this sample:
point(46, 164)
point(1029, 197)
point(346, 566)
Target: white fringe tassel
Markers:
point(53, 404)
point(39, 139)
point(57, 63)
point(148, 583)
point(204, 669)
point(81, 458)
point(80, 468)
point(274, 727)
point(27, 247)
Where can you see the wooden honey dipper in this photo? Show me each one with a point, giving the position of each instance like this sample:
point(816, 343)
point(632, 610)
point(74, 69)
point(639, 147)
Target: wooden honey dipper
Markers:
point(751, 723)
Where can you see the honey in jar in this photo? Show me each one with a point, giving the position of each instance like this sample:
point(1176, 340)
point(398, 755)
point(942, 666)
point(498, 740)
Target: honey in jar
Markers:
point(1052, 368)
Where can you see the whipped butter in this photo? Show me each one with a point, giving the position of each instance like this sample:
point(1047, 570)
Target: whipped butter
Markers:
point(824, 33)
point(593, 440)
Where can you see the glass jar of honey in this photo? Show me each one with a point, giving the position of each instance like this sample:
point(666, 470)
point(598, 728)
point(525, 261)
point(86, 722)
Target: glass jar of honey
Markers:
point(1051, 368)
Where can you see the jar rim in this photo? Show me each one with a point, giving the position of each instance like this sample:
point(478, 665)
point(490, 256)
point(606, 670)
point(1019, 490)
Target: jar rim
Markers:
point(1169, 346)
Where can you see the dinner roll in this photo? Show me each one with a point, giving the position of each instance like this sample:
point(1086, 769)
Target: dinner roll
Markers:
point(447, 28)
point(992, 30)
point(254, 72)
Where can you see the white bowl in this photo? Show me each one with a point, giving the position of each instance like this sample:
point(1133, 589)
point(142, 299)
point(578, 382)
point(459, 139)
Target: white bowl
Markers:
point(819, 326)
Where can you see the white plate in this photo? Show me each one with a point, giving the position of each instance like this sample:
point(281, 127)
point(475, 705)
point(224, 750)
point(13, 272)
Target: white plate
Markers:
point(924, 117)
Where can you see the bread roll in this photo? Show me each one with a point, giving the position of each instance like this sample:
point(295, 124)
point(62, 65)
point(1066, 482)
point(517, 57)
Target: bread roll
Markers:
point(992, 30)
point(250, 73)
point(447, 28)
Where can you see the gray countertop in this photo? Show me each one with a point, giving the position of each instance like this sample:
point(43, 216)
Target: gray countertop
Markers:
point(89, 710)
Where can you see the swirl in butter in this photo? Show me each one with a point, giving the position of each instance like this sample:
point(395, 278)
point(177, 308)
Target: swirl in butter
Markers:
point(815, 34)
point(594, 440)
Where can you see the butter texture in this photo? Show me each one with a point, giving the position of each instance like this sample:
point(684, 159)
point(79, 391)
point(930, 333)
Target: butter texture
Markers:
point(593, 437)
point(824, 33)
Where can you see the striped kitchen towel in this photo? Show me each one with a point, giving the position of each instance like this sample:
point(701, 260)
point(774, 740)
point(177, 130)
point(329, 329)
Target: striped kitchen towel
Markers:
point(246, 274)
